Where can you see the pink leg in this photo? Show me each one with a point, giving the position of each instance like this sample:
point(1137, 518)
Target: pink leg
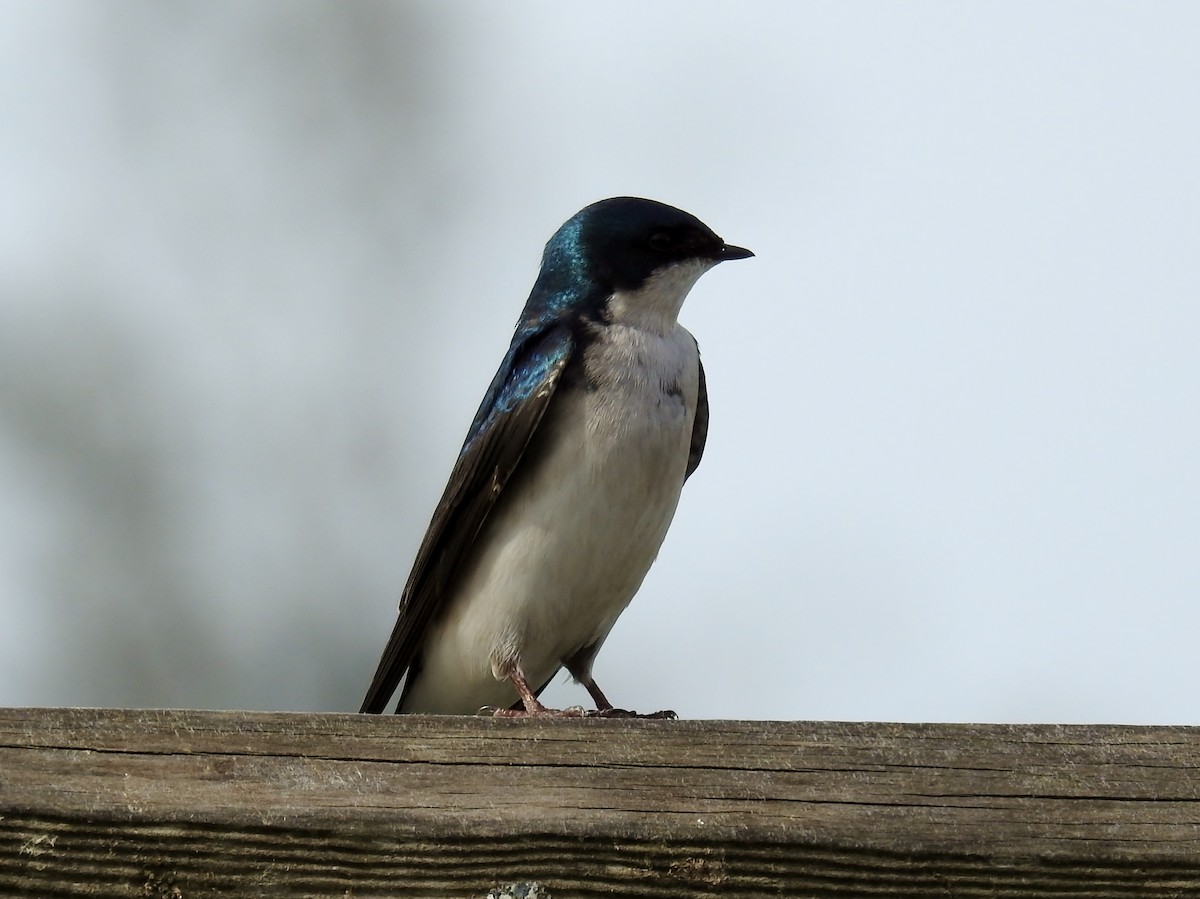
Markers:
point(533, 706)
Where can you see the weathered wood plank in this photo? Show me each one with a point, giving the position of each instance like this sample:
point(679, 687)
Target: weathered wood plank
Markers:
point(186, 803)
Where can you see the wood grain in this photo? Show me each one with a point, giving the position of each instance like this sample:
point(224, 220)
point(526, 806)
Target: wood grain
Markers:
point(188, 803)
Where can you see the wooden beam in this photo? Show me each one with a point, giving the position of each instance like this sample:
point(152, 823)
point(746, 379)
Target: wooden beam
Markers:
point(187, 803)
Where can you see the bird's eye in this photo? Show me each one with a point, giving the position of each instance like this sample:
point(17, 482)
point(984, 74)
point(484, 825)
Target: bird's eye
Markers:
point(660, 241)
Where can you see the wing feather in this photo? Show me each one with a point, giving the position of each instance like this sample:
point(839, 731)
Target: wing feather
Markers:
point(699, 426)
point(514, 405)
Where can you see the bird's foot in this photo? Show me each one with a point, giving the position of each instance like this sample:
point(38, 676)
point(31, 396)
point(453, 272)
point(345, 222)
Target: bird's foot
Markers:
point(575, 711)
point(664, 715)
point(531, 706)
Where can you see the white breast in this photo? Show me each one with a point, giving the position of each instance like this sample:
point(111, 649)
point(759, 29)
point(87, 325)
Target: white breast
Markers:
point(575, 532)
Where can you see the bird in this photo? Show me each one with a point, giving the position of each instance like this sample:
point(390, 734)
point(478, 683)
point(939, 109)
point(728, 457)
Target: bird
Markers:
point(569, 475)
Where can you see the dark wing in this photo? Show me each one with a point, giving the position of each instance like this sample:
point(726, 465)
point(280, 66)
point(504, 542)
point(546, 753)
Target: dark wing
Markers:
point(699, 426)
point(503, 426)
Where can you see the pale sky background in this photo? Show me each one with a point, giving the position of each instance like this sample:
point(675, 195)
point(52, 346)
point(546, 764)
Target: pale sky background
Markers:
point(258, 263)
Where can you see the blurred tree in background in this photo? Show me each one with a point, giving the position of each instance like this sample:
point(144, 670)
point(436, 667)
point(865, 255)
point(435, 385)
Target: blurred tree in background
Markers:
point(213, 209)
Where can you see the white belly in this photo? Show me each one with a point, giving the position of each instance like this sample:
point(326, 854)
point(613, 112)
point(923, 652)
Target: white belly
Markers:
point(573, 534)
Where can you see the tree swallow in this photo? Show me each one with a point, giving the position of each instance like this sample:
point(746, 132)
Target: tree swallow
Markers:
point(570, 474)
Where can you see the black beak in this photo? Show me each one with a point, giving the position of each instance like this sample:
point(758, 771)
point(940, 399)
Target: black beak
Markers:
point(728, 252)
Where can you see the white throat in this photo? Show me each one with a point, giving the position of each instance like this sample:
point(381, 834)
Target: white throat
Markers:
point(655, 306)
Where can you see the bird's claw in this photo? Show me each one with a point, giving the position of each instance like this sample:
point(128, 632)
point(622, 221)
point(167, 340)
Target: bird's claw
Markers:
point(576, 711)
point(664, 715)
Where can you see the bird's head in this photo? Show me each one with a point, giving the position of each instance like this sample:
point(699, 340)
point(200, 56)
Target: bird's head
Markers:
point(630, 257)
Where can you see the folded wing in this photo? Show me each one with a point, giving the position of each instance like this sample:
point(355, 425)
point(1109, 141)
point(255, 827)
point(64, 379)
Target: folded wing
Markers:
point(506, 421)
